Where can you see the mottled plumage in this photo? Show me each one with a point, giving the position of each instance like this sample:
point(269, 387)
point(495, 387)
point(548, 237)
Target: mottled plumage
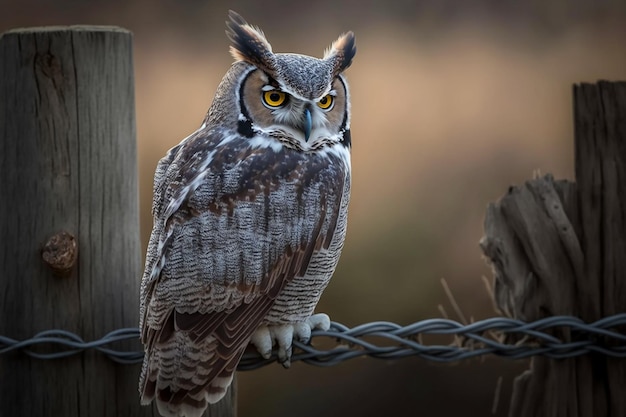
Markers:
point(250, 216)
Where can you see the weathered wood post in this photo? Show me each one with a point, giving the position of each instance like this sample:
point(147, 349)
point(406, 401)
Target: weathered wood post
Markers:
point(558, 247)
point(70, 256)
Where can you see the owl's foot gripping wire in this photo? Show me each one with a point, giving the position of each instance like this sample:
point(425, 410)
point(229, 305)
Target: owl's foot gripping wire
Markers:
point(282, 335)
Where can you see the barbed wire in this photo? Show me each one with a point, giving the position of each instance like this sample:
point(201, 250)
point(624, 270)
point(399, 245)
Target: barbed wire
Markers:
point(500, 336)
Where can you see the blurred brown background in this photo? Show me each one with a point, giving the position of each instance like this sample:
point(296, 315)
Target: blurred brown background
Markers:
point(453, 101)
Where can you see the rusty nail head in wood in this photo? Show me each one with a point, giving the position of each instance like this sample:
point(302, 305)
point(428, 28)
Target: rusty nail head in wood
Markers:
point(60, 253)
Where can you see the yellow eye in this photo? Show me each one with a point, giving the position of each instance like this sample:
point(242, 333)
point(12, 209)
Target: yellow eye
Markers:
point(274, 98)
point(325, 102)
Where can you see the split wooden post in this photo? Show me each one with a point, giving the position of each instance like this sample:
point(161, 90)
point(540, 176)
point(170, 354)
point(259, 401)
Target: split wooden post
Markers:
point(559, 248)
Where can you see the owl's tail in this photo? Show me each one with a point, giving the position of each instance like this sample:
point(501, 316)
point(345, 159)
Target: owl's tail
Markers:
point(183, 377)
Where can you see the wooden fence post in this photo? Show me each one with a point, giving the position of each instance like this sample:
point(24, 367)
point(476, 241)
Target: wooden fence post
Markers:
point(68, 163)
point(558, 247)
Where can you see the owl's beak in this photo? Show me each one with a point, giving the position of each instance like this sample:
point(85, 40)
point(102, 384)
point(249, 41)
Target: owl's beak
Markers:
point(307, 124)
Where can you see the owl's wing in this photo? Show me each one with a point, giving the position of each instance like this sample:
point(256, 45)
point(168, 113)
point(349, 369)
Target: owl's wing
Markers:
point(162, 178)
point(233, 225)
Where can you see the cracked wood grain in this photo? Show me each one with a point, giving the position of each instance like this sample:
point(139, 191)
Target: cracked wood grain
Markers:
point(559, 247)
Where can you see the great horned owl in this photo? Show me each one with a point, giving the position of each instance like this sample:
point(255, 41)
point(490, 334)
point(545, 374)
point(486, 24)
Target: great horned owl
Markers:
point(250, 216)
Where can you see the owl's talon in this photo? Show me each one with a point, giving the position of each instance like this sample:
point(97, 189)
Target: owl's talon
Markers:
point(319, 321)
point(262, 340)
point(284, 356)
point(302, 332)
point(282, 336)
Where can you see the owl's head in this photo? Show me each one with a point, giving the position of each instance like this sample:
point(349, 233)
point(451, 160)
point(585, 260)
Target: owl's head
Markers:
point(299, 100)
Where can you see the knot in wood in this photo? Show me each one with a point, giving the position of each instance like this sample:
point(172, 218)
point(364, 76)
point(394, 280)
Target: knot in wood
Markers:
point(60, 253)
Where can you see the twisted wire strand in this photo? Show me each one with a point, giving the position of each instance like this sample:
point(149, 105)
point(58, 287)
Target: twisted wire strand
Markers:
point(383, 340)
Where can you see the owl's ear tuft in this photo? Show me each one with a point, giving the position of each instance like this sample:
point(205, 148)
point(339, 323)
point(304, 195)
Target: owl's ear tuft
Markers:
point(341, 52)
point(248, 43)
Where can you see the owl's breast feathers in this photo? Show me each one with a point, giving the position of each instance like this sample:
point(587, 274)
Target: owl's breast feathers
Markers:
point(234, 223)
